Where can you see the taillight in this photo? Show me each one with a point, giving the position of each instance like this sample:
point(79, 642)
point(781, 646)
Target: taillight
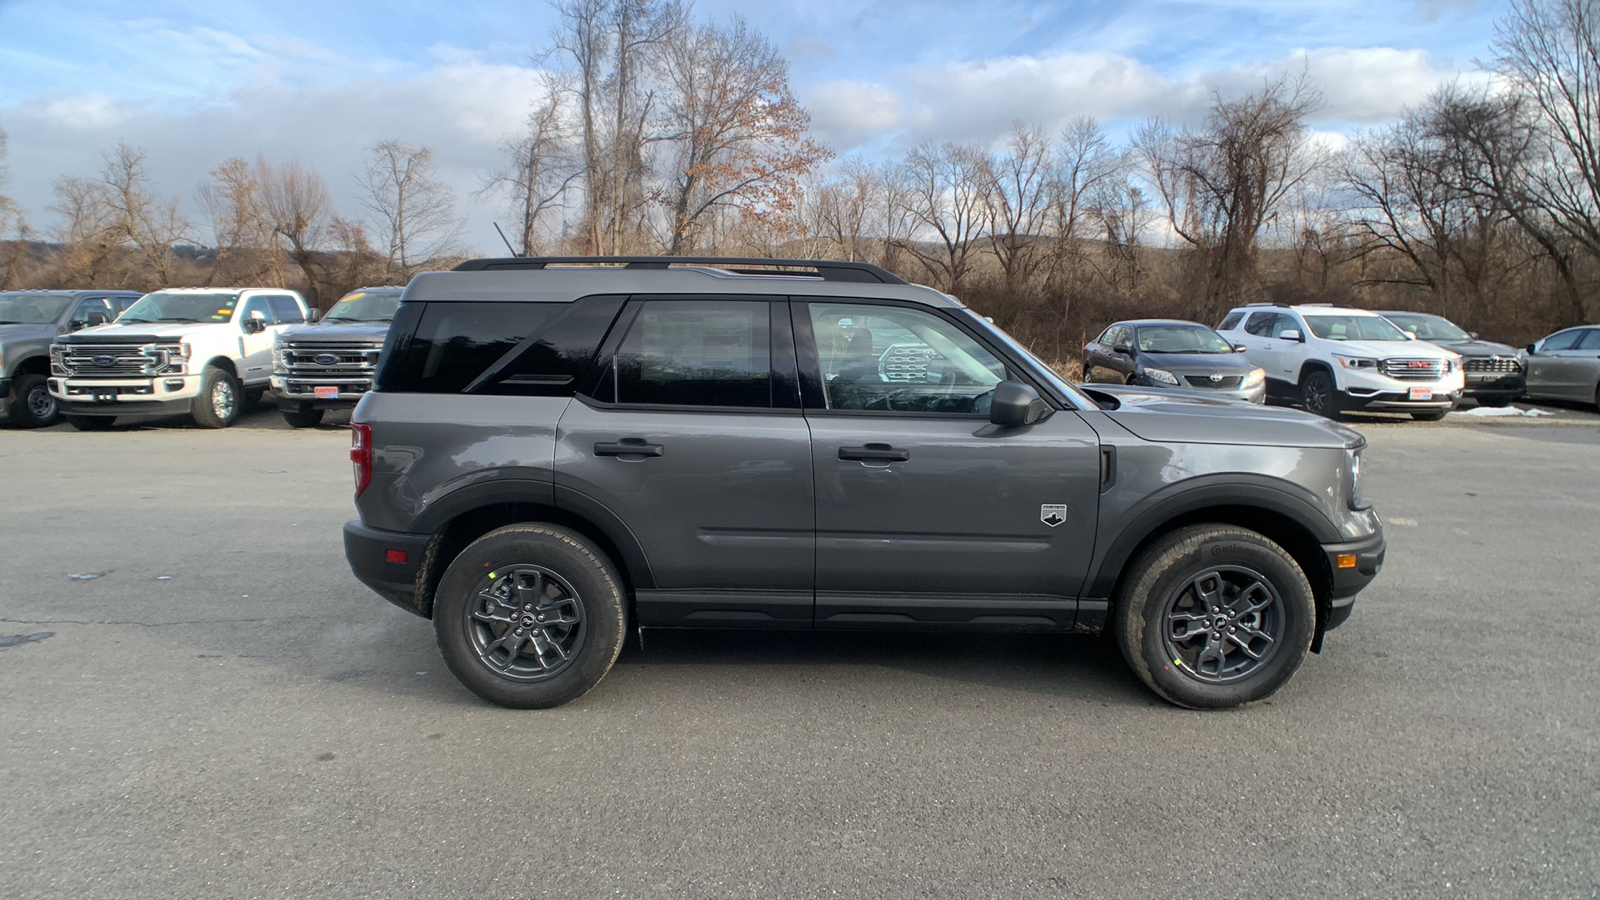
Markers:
point(361, 454)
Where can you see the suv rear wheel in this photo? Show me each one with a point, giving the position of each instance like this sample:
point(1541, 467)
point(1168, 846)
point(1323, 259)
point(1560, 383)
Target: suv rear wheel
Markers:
point(1214, 616)
point(1318, 395)
point(529, 616)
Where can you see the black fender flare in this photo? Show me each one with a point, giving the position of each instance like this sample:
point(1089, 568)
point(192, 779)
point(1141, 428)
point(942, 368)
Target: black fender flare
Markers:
point(1203, 492)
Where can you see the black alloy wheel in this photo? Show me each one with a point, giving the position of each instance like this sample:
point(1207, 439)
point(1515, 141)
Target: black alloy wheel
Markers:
point(1318, 395)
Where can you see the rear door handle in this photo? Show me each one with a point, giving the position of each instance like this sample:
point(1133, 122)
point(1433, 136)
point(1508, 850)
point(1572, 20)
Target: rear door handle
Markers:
point(875, 452)
point(628, 447)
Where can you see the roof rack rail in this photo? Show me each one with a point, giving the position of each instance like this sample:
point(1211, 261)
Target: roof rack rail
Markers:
point(1278, 303)
point(827, 270)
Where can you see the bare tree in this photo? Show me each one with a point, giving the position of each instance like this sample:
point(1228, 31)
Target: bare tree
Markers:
point(1548, 53)
point(1020, 198)
point(151, 224)
point(539, 171)
point(1220, 183)
point(1085, 169)
point(413, 210)
point(11, 224)
point(302, 218)
point(736, 132)
point(235, 204)
point(946, 187)
point(87, 232)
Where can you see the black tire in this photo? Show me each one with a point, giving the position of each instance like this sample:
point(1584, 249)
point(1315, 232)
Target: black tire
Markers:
point(1318, 395)
point(1260, 592)
point(31, 403)
point(217, 405)
point(499, 649)
point(91, 423)
point(254, 395)
point(304, 417)
point(1496, 402)
point(1432, 415)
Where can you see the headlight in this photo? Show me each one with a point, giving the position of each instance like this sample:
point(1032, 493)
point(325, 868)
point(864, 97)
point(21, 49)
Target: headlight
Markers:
point(1358, 500)
point(1255, 377)
point(1162, 376)
point(1356, 362)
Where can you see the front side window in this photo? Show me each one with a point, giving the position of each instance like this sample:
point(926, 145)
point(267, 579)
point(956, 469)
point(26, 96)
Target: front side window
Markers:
point(1565, 340)
point(1590, 340)
point(895, 359)
point(696, 353)
point(285, 310)
point(162, 306)
point(80, 316)
point(257, 308)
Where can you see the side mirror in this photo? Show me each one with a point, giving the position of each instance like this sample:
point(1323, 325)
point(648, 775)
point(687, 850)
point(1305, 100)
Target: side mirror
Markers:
point(1239, 348)
point(254, 326)
point(1014, 404)
point(1124, 349)
point(1530, 348)
point(1410, 335)
point(1473, 335)
point(1292, 334)
point(98, 318)
point(314, 316)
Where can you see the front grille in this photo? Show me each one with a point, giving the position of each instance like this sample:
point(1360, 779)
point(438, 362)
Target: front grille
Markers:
point(337, 360)
point(906, 362)
point(1204, 381)
point(1413, 369)
point(118, 360)
point(1492, 364)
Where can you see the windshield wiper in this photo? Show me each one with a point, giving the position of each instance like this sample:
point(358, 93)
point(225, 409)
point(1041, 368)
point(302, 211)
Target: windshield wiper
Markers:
point(9, 322)
point(176, 319)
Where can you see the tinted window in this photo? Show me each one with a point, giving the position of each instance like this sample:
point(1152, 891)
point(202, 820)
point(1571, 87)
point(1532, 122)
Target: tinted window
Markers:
point(549, 362)
point(1591, 340)
point(1261, 323)
point(697, 353)
point(456, 343)
point(1564, 340)
point(1231, 322)
point(285, 310)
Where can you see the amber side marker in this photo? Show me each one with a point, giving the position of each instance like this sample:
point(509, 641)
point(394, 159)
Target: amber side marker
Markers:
point(1346, 560)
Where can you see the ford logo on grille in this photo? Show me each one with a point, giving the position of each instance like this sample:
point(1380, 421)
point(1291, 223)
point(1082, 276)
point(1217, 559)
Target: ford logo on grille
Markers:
point(104, 360)
point(325, 359)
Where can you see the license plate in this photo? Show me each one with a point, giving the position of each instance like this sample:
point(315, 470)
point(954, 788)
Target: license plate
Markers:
point(1422, 393)
point(330, 392)
point(105, 397)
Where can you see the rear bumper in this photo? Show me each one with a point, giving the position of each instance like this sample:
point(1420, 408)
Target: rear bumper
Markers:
point(368, 551)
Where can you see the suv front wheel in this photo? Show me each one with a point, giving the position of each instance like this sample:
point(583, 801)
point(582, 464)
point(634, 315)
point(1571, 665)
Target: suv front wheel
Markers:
point(1214, 616)
point(1319, 395)
point(529, 616)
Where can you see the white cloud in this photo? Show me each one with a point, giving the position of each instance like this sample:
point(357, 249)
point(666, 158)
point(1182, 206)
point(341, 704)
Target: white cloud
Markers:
point(82, 112)
point(848, 114)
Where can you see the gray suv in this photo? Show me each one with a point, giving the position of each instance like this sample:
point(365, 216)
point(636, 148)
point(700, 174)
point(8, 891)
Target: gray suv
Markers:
point(557, 450)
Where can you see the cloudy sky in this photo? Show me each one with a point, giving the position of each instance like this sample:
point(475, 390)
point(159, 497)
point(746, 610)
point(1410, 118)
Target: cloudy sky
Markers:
point(193, 83)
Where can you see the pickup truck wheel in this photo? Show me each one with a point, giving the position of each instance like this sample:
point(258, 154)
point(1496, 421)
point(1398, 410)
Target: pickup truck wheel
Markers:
point(33, 407)
point(217, 406)
point(91, 423)
point(1214, 616)
point(529, 616)
point(1318, 395)
point(304, 417)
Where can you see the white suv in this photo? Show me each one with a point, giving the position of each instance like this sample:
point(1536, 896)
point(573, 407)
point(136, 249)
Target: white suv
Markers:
point(1333, 358)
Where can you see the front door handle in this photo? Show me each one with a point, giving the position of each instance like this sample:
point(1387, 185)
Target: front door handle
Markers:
point(628, 447)
point(875, 453)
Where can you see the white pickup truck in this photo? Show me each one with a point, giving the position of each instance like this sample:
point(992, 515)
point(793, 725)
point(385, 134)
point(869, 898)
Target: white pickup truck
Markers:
point(204, 352)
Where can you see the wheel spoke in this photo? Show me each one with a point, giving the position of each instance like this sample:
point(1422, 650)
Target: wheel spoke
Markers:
point(1252, 599)
point(1216, 649)
point(1207, 588)
point(1249, 635)
point(1193, 625)
point(512, 642)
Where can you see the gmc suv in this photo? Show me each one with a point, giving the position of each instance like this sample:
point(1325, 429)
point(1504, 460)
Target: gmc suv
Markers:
point(558, 449)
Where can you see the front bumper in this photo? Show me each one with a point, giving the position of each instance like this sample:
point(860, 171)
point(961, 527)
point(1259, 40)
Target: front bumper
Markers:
point(1357, 399)
point(1496, 384)
point(367, 550)
point(295, 393)
point(126, 392)
point(1353, 565)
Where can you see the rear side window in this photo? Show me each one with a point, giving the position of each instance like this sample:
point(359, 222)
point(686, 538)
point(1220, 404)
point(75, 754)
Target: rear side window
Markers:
point(695, 353)
point(518, 349)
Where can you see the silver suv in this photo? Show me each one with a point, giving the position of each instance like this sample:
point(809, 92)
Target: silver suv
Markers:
point(557, 450)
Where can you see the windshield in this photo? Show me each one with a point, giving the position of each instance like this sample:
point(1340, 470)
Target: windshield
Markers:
point(186, 307)
point(365, 306)
point(1181, 339)
point(1043, 369)
point(1354, 328)
point(1430, 328)
point(31, 309)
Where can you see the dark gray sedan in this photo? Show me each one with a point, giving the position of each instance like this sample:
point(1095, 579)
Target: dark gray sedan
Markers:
point(1170, 353)
point(1494, 374)
point(1566, 365)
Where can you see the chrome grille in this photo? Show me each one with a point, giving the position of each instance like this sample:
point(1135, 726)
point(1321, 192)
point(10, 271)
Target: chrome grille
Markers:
point(1492, 364)
point(347, 366)
point(115, 360)
point(1204, 381)
point(1413, 369)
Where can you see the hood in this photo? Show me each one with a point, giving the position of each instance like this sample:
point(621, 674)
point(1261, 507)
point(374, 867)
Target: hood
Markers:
point(1183, 418)
point(1477, 348)
point(1197, 363)
point(1390, 349)
point(142, 332)
point(337, 332)
point(28, 332)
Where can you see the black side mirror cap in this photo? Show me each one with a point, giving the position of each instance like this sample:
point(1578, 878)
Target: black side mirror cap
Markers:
point(314, 316)
point(1125, 349)
point(1014, 404)
point(1530, 348)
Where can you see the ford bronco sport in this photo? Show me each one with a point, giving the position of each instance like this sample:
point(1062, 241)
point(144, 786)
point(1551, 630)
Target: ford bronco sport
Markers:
point(558, 449)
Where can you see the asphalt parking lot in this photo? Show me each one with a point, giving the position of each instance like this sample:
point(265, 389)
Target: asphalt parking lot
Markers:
point(222, 710)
